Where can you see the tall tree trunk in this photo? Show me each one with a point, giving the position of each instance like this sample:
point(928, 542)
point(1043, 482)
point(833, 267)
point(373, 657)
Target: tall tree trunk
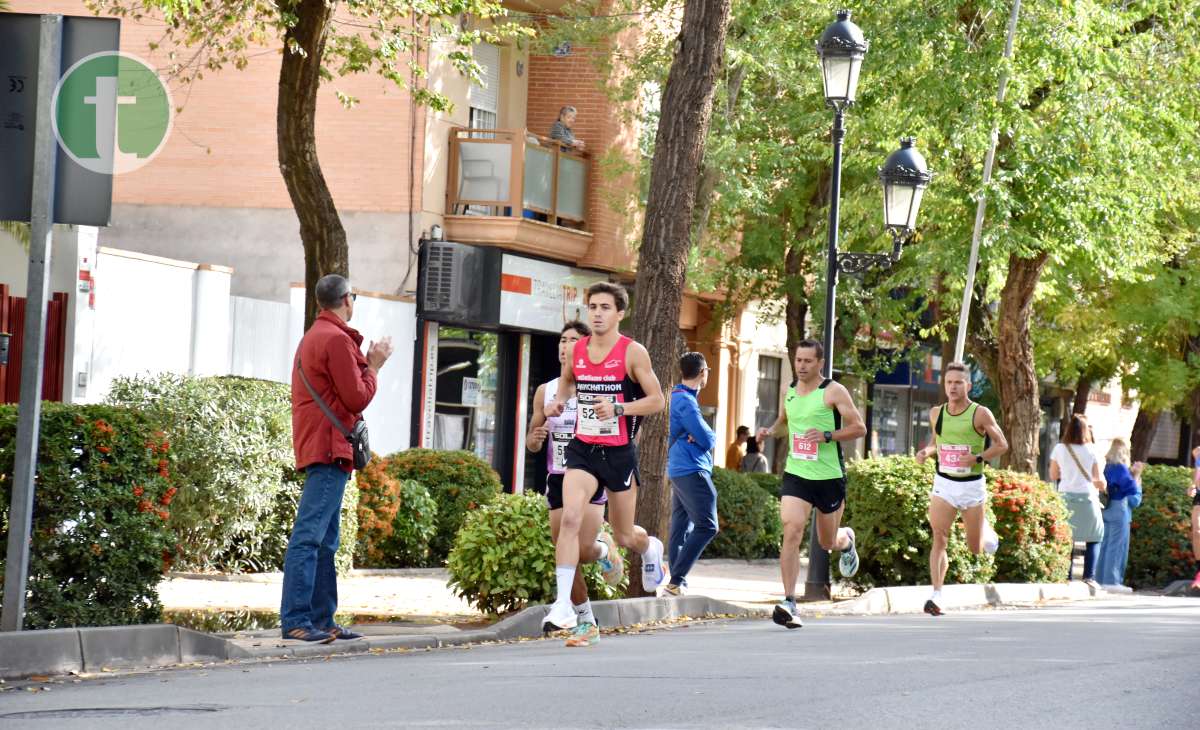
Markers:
point(1017, 384)
point(666, 239)
point(1144, 428)
point(321, 232)
point(1082, 391)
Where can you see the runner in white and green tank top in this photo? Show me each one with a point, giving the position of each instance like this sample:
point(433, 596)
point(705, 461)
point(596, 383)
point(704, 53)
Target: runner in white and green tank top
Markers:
point(817, 415)
point(965, 435)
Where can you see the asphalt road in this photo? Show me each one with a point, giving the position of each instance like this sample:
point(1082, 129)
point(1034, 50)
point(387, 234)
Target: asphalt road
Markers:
point(1118, 664)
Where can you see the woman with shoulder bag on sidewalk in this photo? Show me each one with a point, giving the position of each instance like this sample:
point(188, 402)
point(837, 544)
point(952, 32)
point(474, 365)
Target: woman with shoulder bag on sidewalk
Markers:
point(1075, 468)
point(1124, 494)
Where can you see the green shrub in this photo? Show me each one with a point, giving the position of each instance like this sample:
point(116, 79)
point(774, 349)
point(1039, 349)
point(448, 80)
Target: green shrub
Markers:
point(234, 466)
point(767, 482)
point(100, 537)
point(772, 536)
point(887, 504)
point(459, 482)
point(1031, 520)
point(396, 520)
point(748, 518)
point(503, 558)
point(1160, 533)
point(413, 528)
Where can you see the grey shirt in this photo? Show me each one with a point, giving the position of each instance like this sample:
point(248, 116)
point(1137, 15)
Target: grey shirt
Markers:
point(562, 132)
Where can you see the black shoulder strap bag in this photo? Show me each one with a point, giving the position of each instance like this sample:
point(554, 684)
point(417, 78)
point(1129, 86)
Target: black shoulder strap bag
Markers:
point(357, 437)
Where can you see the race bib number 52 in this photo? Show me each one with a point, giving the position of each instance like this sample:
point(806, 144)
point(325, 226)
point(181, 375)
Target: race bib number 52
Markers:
point(803, 449)
point(592, 425)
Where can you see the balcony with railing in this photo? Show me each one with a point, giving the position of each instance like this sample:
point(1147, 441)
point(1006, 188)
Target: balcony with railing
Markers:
point(519, 191)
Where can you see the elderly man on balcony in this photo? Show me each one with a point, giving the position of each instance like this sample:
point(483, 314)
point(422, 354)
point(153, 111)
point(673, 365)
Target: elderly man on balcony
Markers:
point(561, 130)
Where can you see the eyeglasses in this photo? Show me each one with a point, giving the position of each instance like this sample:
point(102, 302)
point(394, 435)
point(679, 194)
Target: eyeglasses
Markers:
point(352, 295)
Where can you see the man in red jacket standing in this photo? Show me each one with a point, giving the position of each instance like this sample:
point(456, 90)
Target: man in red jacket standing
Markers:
point(346, 380)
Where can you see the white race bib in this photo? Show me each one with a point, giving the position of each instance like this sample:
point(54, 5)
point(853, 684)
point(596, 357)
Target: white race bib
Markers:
point(558, 451)
point(804, 449)
point(589, 423)
point(956, 459)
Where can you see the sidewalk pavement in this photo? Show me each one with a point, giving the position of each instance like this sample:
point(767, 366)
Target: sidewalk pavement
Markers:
point(422, 593)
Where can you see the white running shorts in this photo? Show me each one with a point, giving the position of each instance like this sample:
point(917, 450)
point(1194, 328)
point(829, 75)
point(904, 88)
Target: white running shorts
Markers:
point(960, 495)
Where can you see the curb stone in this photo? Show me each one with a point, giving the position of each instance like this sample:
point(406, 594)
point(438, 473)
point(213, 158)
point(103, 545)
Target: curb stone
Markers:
point(61, 651)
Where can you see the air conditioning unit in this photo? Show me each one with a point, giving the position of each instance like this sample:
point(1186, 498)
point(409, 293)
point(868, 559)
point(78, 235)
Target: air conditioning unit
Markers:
point(459, 284)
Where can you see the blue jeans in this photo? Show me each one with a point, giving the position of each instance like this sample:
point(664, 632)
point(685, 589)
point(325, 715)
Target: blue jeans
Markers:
point(693, 522)
point(1091, 553)
point(1114, 548)
point(309, 576)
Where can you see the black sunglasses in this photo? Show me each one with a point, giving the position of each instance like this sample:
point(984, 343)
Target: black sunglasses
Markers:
point(352, 295)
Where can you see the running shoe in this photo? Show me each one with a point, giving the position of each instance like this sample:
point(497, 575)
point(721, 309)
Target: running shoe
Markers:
point(787, 614)
point(991, 541)
point(848, 563)
point(932, 608)
point(1196, 582)
point(612, 566)
point(672, 590)
point(584, 634)
point(652, 568)
point(559, 618)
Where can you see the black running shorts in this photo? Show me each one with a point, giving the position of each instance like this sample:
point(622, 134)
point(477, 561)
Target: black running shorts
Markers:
point(827, 495)
point(1196, 499)
point(614, 467)
point(554, 484)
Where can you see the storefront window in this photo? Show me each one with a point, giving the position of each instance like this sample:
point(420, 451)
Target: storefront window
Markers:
point(766, 409)
point(891, 421)
point(465, 415)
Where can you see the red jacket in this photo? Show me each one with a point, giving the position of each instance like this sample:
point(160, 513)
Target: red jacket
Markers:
point(339, 373)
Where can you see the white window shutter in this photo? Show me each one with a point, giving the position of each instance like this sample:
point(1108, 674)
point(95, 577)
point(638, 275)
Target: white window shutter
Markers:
point(487, 97)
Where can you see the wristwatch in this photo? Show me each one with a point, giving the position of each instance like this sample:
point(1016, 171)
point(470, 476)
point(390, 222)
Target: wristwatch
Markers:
point(618, 409)
point(828, 436)
point(979, 459)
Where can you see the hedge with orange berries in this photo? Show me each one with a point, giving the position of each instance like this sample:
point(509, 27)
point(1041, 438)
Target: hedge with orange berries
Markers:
point(101, 539)
point(1160, 548)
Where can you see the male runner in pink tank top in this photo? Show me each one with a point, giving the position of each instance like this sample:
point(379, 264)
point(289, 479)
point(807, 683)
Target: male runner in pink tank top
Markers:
point(553, 434)
point(615, 387)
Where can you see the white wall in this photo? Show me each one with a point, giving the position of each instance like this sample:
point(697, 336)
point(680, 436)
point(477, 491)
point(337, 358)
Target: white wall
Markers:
point(144, 318)
point(761, 334)
point(377, 316)
point(260, 339)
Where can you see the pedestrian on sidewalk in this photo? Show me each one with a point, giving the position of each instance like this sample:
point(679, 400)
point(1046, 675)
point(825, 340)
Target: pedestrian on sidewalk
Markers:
point(754, 462)
point(330, 366)
point(1124, 487)
point(737, 450)
point(1075, 468)
point(1194, 493)
point(689, 466)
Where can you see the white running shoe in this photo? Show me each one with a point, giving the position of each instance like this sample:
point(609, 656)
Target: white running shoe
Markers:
point(652, 568)
point(991, 541)
point(560, 617)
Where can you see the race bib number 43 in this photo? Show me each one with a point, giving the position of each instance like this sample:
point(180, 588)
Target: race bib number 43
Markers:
point(590, 424)
point(803, 449)
point(956, 458)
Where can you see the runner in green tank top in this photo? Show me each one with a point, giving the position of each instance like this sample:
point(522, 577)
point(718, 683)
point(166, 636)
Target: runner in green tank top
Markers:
point(817, 415)
point(965, 435)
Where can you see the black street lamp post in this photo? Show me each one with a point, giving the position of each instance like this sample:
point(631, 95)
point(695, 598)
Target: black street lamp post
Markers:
point(904, 177)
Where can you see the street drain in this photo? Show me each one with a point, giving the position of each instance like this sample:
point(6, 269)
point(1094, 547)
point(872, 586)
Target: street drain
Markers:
point(78, 712)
